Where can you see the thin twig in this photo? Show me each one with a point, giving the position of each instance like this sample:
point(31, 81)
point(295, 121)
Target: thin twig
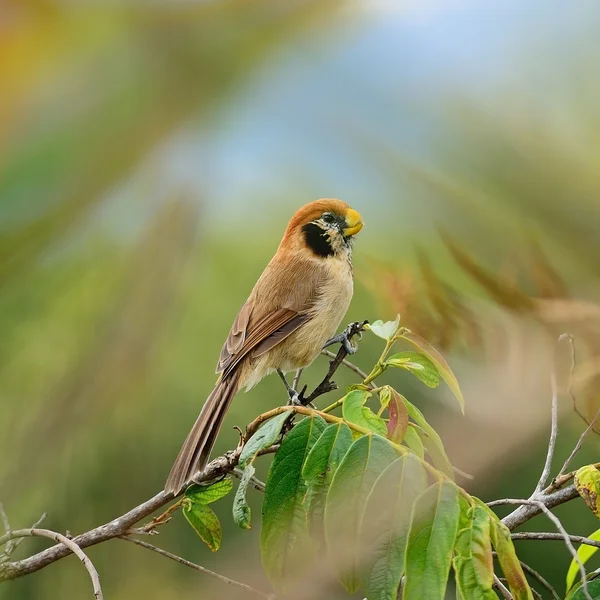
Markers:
point(195, 566)
point(563, 532)
point(13, 543)
point(579, 444)
point(71, 545)
point(547, 535)
point(327, 385)
point(553, 430)
point(502, 588)
point(540, 579)
point(356, 369)
point(257, 484)
point(296, 381)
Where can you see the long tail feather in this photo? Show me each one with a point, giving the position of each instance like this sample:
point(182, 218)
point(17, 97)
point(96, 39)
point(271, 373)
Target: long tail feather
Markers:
point(196, 449)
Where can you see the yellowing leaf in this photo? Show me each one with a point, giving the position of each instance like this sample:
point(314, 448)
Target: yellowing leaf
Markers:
point(587, 482)
point(507, 557)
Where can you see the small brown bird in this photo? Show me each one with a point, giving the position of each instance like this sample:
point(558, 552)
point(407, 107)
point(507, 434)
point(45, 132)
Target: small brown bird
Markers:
point(295, 307)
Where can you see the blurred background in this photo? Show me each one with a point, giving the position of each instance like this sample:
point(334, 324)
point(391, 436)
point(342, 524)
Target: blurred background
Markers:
point(151, 154)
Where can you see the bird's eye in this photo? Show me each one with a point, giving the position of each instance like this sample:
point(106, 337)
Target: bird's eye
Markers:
point(329, 218)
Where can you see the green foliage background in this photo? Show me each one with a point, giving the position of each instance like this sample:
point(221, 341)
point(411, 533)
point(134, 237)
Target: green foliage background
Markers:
point(118, 284)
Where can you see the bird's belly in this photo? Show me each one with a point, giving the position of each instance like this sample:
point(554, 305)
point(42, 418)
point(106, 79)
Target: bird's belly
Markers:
point(305, 344)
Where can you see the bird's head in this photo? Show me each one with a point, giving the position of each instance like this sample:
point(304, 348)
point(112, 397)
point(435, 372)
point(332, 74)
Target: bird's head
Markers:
point(325, 227)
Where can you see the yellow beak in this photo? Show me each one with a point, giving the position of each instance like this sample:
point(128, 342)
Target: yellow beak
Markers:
point(353, 223)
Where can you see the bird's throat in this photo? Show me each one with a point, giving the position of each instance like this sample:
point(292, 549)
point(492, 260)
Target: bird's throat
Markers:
point(317, 240)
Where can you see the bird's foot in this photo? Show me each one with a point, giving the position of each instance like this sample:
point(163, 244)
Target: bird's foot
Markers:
point(345, 338)
point(295, 398)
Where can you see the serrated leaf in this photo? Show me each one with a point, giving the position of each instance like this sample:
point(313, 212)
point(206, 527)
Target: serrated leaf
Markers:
point(440, 362)
point(430, 542)
point(385, 330)
point(242, 515)
point(473, 562)
point(355, 411)
point(430, 439)
point(385, 525)
point(354, 479)
point(398, 421)
point(584, 552)
point(286, 547)
point(206, 494)
point(509, 563)
point(587, 482)
point(413, 441)
point(265, 437)
point(204, 521)
point(593, 588)
point(418, 364)
point(319, 468)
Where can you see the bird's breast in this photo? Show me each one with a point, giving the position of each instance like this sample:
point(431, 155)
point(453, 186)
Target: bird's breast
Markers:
point(332, 302)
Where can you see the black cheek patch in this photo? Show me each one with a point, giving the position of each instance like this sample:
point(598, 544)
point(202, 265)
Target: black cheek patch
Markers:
point(317, 240)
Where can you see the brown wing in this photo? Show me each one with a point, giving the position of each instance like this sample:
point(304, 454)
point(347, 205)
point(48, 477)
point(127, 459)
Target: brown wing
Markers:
point(264, 335)
point(279, 304)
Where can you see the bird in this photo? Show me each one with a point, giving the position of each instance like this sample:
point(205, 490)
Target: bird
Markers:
point(294, 309)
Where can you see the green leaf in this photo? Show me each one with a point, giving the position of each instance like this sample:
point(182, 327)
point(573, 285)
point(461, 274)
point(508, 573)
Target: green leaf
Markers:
point(386, 522)
point(438, 360)
point(286, 547)
point(398, 421)
point(473, 562)
point(204, 521)
point(205, 494)
point(508, 560)
point(587, 482)
point(385, 330)
point(593, 588)
point(265, 437)
point(354, 479)
point(584, 552)
point(413, 440)
point(430, 439)
point(430, 542)
point(418, 364)
point(319, 468)
point(354, 411)
point(242, 515)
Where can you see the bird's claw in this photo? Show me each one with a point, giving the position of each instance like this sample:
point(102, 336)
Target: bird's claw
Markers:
point(345, 337)
point(295, 399)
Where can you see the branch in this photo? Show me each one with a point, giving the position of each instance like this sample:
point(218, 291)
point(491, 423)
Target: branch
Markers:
point(354, 368)
point(578, 446)
point(124, 524)
point(71, 545)
point(502, 588)
point(115, 528)
point(543, 535)
point(257, 484)
point(327, 385)
point(197, 567)
point(553, 434)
